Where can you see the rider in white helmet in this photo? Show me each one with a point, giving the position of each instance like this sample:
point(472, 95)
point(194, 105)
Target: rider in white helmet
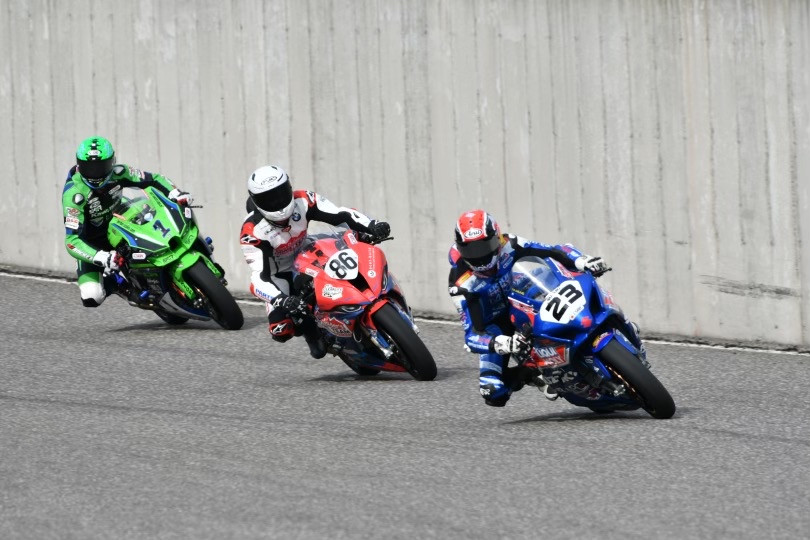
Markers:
point(271, 236)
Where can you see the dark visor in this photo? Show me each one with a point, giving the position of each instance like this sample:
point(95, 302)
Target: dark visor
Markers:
point(275, 199)
point(480, 248)
point(96, 169)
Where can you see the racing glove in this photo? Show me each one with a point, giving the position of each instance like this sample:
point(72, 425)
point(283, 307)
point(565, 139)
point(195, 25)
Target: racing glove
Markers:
point(379, 230)
point(292, 304)
point(593, 265)
point(509, 344)
point(181, 197)
point(109, 260)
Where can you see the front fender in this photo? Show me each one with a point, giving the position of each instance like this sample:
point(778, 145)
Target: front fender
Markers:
point(368, 321)
point(186, 261)
point(601, 342)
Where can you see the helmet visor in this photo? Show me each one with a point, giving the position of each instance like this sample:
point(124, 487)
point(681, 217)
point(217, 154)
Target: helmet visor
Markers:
point(275, 199)
point(96, 170)
point(480, 252)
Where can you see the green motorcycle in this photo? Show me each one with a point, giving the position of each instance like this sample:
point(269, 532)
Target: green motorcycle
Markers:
point(167, 266)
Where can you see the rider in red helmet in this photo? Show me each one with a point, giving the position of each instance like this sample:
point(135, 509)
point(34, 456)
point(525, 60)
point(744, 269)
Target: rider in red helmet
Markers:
point(481, 260)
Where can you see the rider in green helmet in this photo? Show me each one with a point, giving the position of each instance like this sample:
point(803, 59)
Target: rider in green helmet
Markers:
point(92, 189)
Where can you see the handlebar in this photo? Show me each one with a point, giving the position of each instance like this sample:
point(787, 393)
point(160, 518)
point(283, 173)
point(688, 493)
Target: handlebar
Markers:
point(367, 238)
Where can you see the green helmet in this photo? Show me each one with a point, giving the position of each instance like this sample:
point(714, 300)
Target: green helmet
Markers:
point(95, 158)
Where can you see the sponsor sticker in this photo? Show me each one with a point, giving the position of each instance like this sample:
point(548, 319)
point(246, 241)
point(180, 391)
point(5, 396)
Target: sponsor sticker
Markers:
point(264, 296)
point(473, 233)
point(72, 222)
point(335, 326)
point(187, 212)
point(73, 212)
point(311, 272)
point(78, 251)
point(139, 256)
point(599, 338)
point(332, 292)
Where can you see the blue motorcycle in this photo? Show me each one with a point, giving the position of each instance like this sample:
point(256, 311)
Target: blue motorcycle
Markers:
point(583, 349)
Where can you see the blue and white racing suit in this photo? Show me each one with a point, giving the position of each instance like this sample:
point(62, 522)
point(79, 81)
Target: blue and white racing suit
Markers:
point(484, 309)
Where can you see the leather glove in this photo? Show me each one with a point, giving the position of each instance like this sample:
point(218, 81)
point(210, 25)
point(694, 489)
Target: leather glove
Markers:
point(109, 260)
point(181, 197)
point(593, 265)
point(292, 304)
point(509, 344)
point(379, 230)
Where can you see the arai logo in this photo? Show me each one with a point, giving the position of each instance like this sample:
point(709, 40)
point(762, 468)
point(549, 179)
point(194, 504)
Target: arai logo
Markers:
point(473, 233)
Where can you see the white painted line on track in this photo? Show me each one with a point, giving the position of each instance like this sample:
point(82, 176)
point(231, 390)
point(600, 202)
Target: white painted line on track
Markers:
point(456, 323)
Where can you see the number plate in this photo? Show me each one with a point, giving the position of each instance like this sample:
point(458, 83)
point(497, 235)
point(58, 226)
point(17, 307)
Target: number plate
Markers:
point(563, 303)
point(342, 265)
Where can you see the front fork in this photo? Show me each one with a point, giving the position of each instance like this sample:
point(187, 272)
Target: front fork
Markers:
point(377, 338)
point(598, 375)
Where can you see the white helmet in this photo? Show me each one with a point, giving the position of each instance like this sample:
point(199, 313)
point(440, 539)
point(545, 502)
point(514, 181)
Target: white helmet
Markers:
point(270, 190)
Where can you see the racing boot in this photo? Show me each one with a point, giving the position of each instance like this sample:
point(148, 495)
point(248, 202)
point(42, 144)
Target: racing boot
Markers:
point(312, 335)
point(493, 389)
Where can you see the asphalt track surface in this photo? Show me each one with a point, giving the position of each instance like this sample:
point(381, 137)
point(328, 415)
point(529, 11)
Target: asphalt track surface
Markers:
point(115, 425)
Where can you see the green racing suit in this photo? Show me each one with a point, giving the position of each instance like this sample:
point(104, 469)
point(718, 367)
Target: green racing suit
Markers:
point(87, 212)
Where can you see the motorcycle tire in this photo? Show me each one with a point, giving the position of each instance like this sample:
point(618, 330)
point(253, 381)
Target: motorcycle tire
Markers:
point(641, 383)
point(360, 370)
point(170, 318)
point(408, 348)
point(222, 306)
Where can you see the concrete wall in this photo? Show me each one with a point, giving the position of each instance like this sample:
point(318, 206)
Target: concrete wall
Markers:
point(672, 138)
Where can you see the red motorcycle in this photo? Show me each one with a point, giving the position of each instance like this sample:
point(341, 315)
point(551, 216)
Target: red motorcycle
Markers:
point(359, 307)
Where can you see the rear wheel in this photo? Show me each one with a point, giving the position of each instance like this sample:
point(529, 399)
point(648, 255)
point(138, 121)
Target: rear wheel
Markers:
point(219, 302)
point(408, 348)
point(170, 318)
point(640, 382)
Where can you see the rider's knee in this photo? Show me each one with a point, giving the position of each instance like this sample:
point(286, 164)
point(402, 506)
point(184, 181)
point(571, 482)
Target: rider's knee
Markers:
point(92, 294)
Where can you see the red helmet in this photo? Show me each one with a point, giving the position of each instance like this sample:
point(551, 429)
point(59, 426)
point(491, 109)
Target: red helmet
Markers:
point(478, 240)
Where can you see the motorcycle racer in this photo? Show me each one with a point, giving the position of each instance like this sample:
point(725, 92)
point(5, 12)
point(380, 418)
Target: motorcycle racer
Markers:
point(271, 236)
point(92, 190)
point(481, 261)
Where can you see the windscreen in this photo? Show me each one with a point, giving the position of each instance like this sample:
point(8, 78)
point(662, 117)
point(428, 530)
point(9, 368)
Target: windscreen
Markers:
point(533, 277)
point(130, 196)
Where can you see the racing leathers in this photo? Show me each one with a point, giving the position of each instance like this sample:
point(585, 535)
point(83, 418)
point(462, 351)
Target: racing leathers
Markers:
point(483, 308)
point(270, 249)
point(87, 212)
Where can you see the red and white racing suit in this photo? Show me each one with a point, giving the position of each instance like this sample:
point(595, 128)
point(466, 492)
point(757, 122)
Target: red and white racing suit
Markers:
point(270, 249)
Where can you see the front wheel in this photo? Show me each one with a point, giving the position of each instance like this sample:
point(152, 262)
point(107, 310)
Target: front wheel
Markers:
point(407, 346)
point(219, 302)
point(640, 382)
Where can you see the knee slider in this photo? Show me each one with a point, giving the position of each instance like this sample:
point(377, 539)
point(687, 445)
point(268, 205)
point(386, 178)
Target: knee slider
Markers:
point(92, 294)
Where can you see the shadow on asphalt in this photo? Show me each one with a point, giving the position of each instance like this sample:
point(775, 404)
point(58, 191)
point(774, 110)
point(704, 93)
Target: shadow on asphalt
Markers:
point(192, 324)
point(585, 416)
point(350, 376)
